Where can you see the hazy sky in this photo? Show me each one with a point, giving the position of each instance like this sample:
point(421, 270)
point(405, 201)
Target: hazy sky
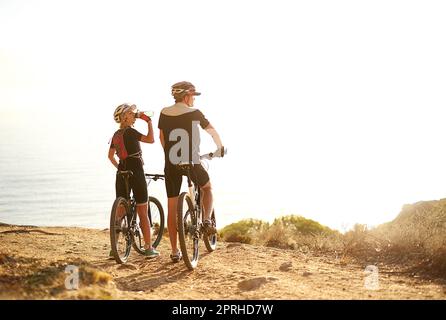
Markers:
point(334, 110)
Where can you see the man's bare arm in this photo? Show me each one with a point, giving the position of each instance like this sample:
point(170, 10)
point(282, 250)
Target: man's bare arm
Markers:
point(215, 136)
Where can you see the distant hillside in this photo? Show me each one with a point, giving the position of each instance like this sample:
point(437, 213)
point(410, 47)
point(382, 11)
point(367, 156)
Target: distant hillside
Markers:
point(420, 226)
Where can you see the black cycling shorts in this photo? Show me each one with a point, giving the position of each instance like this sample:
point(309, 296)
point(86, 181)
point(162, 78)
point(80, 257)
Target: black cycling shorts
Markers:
point(137, 181)
point(174, 178)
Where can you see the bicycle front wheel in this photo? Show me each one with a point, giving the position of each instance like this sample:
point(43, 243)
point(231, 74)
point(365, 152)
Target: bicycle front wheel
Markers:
point(120, 235)
point(156, 219)
point(211, 241)
point(155, 214)
point(188, 234)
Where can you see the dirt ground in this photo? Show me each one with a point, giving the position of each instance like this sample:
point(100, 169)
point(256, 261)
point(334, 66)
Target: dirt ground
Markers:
point(33, 265)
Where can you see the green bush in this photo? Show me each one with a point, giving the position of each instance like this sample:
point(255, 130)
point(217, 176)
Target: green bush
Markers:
point(302, 226)
point(288, 232)
point(242, 231)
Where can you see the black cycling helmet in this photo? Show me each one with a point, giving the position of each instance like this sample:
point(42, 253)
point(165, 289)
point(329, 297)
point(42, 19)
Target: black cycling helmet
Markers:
point(183, 88)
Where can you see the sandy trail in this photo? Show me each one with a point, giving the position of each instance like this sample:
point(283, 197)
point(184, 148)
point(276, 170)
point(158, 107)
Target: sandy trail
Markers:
point(33, 261)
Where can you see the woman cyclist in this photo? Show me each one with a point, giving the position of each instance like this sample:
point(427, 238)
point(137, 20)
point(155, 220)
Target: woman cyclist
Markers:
point(125, 144)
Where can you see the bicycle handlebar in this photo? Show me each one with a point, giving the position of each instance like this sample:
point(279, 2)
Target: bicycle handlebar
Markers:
point(154, 176)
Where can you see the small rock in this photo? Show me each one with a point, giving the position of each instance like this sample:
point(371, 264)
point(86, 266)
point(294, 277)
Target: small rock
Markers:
point(286, 266)
point(306, 274)
point(272, 279)
point(252, 284)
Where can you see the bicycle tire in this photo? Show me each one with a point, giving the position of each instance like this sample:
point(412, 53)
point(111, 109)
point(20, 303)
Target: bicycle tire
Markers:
point(156, 215)
point(187, 231)
point(119, 230)
point(211, 241)
point(157, 219)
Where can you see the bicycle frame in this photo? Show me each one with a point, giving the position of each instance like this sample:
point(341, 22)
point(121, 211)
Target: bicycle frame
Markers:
point(131, 200)
point(195, 196)
point(150, 177)
point(131, 232)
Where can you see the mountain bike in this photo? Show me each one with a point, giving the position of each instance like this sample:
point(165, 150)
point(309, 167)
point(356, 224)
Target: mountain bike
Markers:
point(125, 229)
point(190, 217)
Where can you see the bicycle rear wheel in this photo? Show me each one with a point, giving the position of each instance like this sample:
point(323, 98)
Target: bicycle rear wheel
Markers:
point(187, 231)
point(120, 236)
point(155, 213)
point(211, 241)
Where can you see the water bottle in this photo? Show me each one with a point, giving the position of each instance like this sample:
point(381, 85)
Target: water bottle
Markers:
point(147, 113)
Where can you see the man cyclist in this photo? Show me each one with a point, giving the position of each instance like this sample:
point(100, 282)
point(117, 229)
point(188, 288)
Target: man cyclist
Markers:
point(178, 126)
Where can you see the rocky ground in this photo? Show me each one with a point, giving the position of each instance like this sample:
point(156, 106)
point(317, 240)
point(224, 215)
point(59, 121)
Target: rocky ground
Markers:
point(33, 264)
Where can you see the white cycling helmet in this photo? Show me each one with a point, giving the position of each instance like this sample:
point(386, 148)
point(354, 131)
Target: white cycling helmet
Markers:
point(121, 109)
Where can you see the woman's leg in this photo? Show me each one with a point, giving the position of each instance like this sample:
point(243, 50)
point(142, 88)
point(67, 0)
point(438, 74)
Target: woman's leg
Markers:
point(120, 192)
point(145, 225)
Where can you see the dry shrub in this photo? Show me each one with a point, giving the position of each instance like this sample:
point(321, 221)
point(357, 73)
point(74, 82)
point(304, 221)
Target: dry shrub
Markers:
point(415, 240)
point(277, 236)
point(417, 236)
point(90, 276)
point(288, 232)
point(419, 228)
point(296, 232)
point(355, 241)
point(331, 242)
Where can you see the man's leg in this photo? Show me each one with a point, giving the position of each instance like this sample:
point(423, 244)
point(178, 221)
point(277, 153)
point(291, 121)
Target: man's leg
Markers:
point(208, 200)
point(172, 222)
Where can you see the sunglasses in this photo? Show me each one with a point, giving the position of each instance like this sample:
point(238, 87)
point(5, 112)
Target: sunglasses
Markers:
point(177, 91)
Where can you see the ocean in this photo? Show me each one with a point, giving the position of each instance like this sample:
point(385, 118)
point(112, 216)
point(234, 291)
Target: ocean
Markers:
point(50, 176)
point(58, 174)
